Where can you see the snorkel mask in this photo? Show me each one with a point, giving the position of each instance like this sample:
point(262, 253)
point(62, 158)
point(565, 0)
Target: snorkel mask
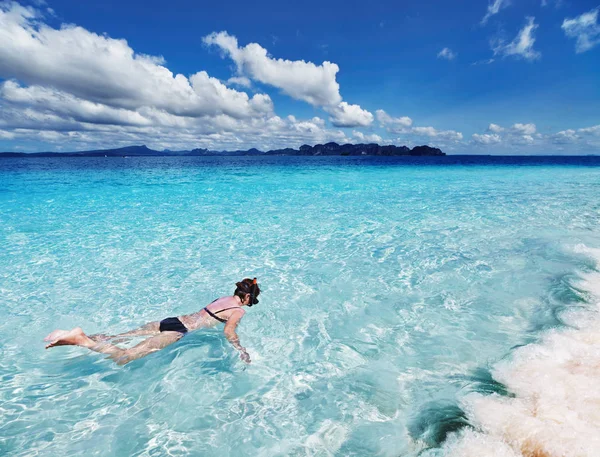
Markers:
point(253, 293)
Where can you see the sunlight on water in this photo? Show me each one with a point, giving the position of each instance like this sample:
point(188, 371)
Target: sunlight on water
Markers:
point(406, 309)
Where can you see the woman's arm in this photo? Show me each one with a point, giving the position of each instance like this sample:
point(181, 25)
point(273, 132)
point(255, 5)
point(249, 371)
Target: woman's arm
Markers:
point(232, 337)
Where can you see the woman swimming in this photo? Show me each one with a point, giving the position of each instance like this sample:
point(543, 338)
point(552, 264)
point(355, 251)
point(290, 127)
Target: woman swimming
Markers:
point(228, 310)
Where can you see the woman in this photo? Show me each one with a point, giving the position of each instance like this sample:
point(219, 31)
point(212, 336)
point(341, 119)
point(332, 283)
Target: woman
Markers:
point(228, 310)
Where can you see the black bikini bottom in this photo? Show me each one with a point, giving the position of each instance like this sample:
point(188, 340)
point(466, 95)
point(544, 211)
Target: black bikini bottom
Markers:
point(172, 324)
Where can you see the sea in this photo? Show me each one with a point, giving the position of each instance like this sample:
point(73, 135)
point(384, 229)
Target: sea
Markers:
point(410, 306)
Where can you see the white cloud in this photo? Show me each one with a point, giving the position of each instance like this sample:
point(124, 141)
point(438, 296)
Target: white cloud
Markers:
point(595, 130)
point(373, 138)
point(431, 132)
point(486, 138)
point(217, 133)
point(4, 135)
point(585, 29)
point(52, 101)
point(524, 138)
point(522, 45)
point(71, 87)
point(403, 125)
point(447, 54)
point(393, 124)
point(50, 135)
point(345, 115)
point(494, 8)
point(240, 81)
point(315, 84)
point(522, 134)
point(565, 137)
point(524, 129)
point(517, 134)
point(104, 70)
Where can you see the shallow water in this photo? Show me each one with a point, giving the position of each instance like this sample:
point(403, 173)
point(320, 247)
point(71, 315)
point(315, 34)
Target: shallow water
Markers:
point(400, 300)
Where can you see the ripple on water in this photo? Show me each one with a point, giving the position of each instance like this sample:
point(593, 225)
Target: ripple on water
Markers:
point(391, 295)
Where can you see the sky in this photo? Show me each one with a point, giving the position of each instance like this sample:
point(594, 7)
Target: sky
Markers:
point(517, 77)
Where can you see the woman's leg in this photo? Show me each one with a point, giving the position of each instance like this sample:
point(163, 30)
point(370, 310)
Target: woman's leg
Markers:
point(76, 337)
point(150, 329)
point(149, 345)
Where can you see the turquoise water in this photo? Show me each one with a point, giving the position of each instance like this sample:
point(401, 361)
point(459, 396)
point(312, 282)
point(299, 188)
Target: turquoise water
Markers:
point(392, 291)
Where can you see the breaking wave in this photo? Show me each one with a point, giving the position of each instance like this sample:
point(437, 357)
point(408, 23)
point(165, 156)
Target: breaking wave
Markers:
point(551, 406)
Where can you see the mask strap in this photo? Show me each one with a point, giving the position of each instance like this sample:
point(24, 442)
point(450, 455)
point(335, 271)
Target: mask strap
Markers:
point(253, 291)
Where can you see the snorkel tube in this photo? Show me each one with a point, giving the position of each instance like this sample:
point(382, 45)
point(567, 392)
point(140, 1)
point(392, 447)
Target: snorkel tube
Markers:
point(254, 291)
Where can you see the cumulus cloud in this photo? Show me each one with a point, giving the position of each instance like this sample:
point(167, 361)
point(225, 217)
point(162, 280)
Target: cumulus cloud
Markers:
point(494, 8)
point(486, 138)
point(431, 132)
point(345, 115)
point(521, 134)
point(524, 138)
point(585, 29)
point(240, 81)
point(404, 125)
point(104, 70)
point(583, 140)
point(588, 136)
point(372, 138)
point(53, 118)
point(393, 124)
point(74, 88)
point(522, 45)
point(565, 137)
point(447, 54)
point(219, 132)
point(315, 84)
point(595, 130)
point(306, 81)
point(517, 134)
point(524, 129)
point(51, 101)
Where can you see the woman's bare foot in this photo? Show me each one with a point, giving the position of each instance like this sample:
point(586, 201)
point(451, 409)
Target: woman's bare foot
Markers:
point(74, 337)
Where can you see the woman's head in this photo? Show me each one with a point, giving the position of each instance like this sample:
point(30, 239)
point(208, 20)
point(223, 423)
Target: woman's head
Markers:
point(247, 288)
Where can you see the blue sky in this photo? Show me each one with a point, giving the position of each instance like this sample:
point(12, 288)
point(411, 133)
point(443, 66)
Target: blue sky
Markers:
point(498, 76)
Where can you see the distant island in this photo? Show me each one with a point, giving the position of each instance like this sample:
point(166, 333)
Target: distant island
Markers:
point(327, 149)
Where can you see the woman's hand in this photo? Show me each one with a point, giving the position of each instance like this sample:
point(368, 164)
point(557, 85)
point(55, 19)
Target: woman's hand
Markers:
point(245, 357)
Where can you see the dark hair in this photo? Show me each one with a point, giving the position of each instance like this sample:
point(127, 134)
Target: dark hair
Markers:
point(247, 286)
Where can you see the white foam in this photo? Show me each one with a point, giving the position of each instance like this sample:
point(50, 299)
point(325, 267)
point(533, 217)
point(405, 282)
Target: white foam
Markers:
point(555, 410)
point(475, 444)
